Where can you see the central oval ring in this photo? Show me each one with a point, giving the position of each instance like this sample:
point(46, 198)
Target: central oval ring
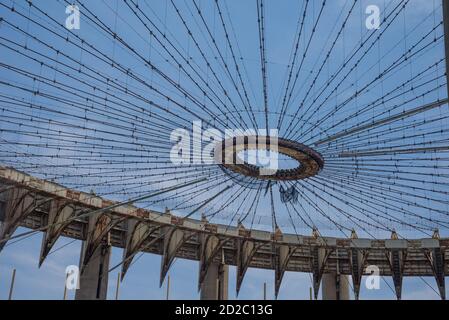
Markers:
point(226, 155)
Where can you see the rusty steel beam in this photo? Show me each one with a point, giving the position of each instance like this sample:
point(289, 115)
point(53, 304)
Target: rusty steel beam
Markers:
point(58, 219)
point(173, 241)
point(19, 204)
point(138, 232)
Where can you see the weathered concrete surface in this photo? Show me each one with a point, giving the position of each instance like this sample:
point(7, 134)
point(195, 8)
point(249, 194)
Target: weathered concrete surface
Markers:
point(335, 287)
point(215, 285)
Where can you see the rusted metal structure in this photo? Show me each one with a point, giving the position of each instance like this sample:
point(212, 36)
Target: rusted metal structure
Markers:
point(310, 162)
point(45, 206)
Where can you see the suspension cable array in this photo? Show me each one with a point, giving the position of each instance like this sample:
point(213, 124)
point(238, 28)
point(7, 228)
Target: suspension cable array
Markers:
point(102, 108)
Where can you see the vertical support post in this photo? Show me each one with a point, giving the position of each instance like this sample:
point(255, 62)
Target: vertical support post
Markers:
point(265, 291)
point(167, 295)
point(215, 284)
point(11, 288)
point(118, 286)
point(311, 293)
point(446, 38)
point(335, 286)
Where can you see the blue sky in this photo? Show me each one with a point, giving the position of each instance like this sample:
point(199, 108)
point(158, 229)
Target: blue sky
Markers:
point(142, 280)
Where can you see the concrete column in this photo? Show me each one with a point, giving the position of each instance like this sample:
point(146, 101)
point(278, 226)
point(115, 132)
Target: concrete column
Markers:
point(94, 278)
point(335, 287)
point(215, 285)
